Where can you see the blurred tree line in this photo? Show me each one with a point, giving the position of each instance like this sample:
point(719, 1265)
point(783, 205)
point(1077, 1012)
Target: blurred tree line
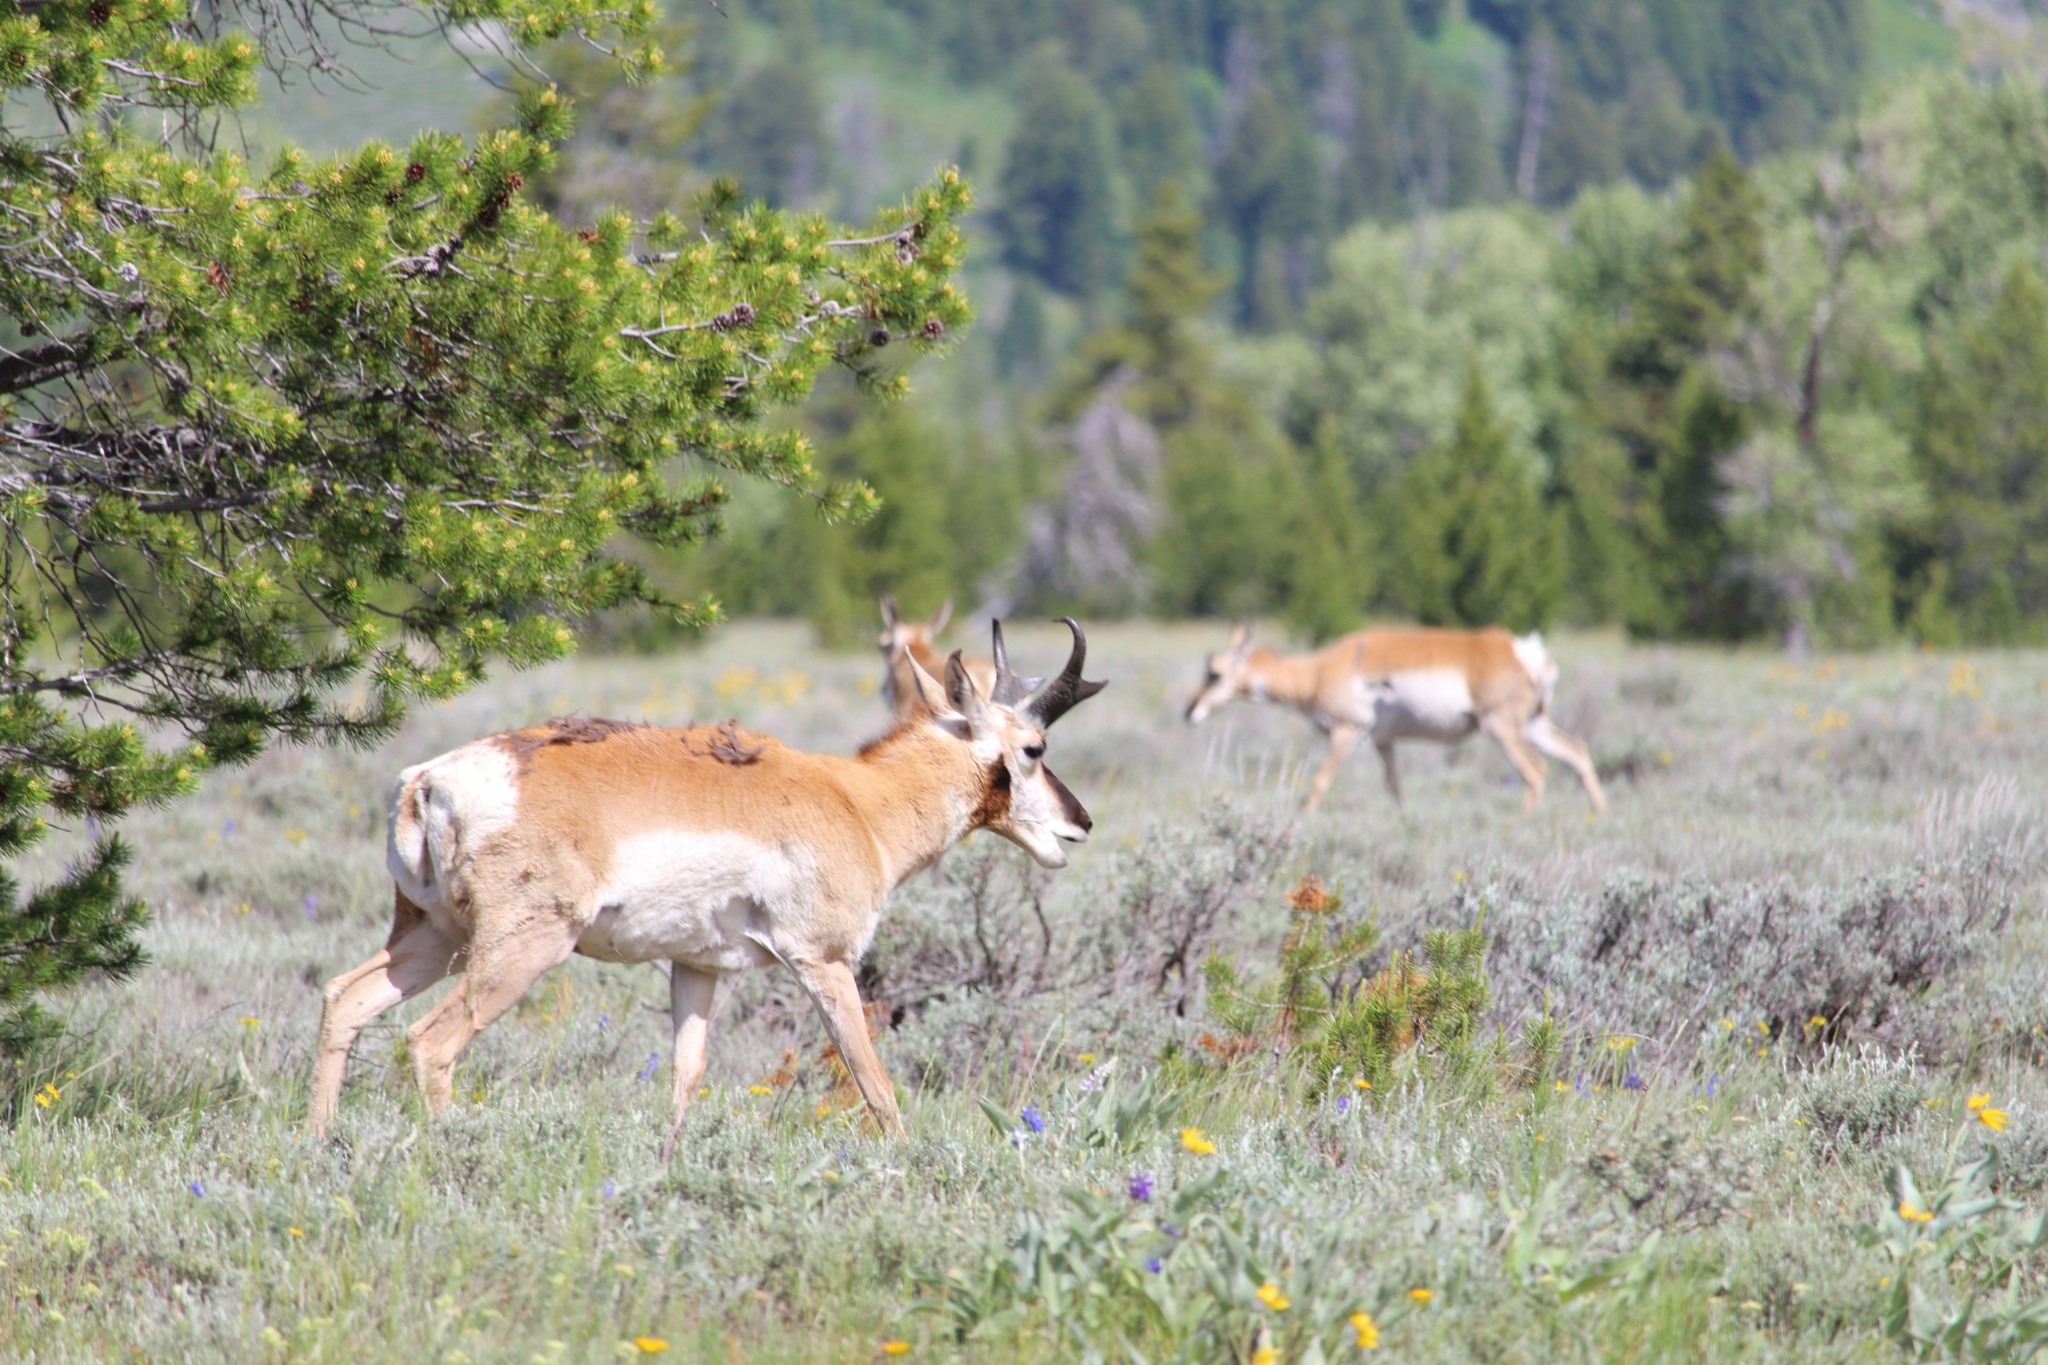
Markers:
point(1659, 329)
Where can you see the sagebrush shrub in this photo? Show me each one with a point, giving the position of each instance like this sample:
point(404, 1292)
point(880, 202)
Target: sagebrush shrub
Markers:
point(1670, 958)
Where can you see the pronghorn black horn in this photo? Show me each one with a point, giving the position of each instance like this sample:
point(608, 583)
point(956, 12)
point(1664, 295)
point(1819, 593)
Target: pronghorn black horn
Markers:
point(1010, 689)
point(1068, 690)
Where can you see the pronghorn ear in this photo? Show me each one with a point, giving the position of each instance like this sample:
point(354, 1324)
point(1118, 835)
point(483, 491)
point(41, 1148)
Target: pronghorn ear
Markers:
point(964, 695)
point(888, 611)
point(1240, 636)
point(938, 622)
point(928, 691)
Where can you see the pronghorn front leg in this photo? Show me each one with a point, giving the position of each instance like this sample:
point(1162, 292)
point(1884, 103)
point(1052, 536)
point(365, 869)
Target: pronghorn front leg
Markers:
point(832, 989)
point(1527, 761)
point(690, 995)
point(1343, 738)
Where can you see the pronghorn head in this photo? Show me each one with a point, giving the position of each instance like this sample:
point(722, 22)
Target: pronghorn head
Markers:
point(1024, 802)
point(1229, 675)
point(901, 633)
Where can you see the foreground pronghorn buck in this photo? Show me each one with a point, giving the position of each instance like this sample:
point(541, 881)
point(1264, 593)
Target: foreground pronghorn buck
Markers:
point(1389, 685)
point(709, 848)
point(904, 641)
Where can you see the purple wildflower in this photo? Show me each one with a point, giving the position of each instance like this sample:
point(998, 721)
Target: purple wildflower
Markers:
point(653, 1061)
point(1033, 1120)
point(604, 1021)
point(1153, 1265)
point(611, 1191)
point(1343, 1103)
point(197, 1189)
point(312, 905)
point(1139, 1186)
point(1169, 1229)
point(1633, 1081)
point(1094, 1079)
point(229, 827)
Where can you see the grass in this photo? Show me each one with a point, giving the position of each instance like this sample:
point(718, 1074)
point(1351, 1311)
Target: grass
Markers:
point(1644, 1185)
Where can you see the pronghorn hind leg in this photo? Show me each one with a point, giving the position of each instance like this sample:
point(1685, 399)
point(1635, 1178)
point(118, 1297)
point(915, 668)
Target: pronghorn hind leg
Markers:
point(415, 957)
point(1343, 738)
point(690, 996)
point(1570, 752)
point(504, 962)
point(1526, 760)
point(832, 989)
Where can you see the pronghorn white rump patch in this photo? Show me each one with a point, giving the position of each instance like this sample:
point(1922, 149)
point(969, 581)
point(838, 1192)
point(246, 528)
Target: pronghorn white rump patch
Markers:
point(702, 899)
point(1419, 703)
point(1536, 661)
point(441, 810)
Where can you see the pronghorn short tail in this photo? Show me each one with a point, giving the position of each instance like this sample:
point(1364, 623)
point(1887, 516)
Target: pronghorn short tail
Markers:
point(1541, 668)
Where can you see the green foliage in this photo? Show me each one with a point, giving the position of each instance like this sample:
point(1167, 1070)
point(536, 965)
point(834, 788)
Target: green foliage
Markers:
point(1436, 1008)
point(1354, 1034)
point(1983, 449)
point(270, 430)
point(1475, 544)
point(1058, 215)
point(1960, 1264)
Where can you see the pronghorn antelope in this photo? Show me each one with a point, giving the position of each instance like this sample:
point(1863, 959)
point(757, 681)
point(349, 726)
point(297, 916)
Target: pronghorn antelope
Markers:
point(1390, 685)
point(903, 640)
point(708, 847)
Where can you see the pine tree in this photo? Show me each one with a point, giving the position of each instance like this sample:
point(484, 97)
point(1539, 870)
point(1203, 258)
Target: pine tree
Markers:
point(277, 428)
point(1477, 545)
point(1982, 445)
point(1058, 216)
point(1331, 569)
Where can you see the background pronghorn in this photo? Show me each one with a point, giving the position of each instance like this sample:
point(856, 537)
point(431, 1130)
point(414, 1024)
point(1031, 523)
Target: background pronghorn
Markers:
point(919, 640)
point(708, 847)
point(1410, 684)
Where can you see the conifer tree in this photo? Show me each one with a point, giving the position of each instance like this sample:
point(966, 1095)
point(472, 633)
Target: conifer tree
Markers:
point(1477, 545)
point(1983, 451)
point(273, 428)
point(1058, 216)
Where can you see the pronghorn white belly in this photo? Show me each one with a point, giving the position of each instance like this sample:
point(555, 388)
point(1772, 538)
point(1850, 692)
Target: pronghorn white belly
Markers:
point(1421, 703)
point(699, 899)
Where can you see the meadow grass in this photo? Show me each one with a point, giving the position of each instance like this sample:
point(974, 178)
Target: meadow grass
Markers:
point(1625, 1169)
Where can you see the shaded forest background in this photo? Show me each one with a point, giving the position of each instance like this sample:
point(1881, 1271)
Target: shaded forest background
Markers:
point(1719, 319)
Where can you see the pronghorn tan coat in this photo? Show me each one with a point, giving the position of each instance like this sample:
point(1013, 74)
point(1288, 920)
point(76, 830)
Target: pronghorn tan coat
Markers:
point(903, 640)
point(709, 848)
point(1390, 685)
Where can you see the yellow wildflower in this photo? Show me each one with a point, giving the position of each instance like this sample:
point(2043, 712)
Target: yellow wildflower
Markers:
point(650, 1346)
point(1266, 1355)
point(1818, 1021)
point(1914, 1214)
point(1421, 1295)
point(1368, 1331)
point(296, 1232)
point(1618, 1043)
point(1361, 1082)
point(1994, 1119)
point(895, 1348)
point(760, 1090)
point(1273, 1297)
point(48, 1096)
point(1192, 1139)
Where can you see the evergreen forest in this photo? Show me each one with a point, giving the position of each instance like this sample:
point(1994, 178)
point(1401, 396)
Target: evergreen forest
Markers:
point(1717, 321)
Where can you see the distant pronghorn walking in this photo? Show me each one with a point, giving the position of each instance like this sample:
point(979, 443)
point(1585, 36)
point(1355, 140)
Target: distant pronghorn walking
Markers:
point(1389, 685)
point(918, 640)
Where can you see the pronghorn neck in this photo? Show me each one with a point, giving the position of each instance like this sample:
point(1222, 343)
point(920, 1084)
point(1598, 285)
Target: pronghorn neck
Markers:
point(920, 791)
point(1289, 679)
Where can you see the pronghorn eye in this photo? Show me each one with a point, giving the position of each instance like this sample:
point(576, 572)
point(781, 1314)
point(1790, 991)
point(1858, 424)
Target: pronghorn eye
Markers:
point(1034, 752)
